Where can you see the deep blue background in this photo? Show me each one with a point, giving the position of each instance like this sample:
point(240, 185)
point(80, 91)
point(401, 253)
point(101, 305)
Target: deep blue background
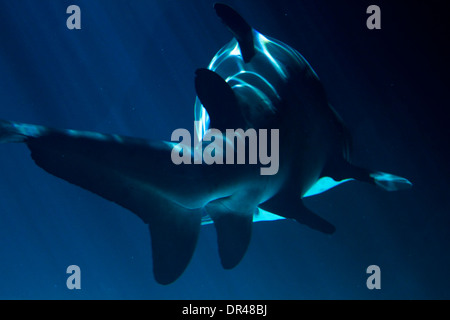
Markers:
point(130, 70)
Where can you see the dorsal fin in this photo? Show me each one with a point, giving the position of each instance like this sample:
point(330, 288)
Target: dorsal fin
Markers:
point(219, 100)
point(240, 29)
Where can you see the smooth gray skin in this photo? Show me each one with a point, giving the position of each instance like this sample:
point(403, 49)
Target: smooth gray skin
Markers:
point(253, 82)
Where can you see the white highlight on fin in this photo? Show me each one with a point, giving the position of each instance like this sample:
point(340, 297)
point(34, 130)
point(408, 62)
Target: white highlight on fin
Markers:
point(18, 132)
point(260, 215)
point(263, 215)
point(324, 184)
point(390, 182)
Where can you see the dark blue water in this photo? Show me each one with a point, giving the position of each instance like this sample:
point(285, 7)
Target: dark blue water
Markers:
point(130, 71)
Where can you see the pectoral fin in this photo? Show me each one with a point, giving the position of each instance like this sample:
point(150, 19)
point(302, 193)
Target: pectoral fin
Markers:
point(292, 207)
point(174, 232)
point(386, 181)
point(233, 232)
point(119, 169)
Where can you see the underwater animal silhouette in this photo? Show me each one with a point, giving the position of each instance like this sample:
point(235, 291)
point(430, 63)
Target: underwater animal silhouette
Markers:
point(252, 82)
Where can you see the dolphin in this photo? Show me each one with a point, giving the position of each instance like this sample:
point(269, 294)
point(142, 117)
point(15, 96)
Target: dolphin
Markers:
point(252, 82)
